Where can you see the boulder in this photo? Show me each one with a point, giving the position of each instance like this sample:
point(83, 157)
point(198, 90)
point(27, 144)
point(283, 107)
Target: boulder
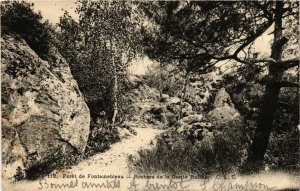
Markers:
point(222, 99)
point(175, 106)
point(224, 115)
point(187, 109)
point(173, 100)
point(192, 119)
point(44, 116)
point(188, 122)
point(195, 128)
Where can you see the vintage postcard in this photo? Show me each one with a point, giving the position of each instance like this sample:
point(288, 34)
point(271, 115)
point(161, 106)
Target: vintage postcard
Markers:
point(150, 95)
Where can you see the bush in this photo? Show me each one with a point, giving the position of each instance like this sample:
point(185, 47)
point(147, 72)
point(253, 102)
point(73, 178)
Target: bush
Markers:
point(166, 77)
point(282, 153)
point(100, 138)
point(191, 153)
point(19, 17)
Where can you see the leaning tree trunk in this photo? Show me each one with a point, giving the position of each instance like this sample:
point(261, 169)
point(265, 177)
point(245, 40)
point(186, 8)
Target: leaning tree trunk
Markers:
point(268, 109)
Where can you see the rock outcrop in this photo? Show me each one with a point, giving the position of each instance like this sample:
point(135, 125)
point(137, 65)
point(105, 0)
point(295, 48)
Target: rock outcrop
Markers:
point(44, 116)
point(148, 108)
point(176, 106)
point(224, 115)
point(222, 99)
point(216, 138)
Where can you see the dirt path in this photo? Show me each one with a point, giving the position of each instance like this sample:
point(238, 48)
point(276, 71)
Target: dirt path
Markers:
point(113, 162)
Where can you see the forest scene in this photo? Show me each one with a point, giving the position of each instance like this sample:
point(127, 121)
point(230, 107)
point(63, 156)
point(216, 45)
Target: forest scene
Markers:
point(137, 89)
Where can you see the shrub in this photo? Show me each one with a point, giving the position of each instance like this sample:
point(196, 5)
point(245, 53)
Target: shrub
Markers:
point(177, 153)
point(100, 138)
point(165, 79)
point(19, 17)
point(282, 153)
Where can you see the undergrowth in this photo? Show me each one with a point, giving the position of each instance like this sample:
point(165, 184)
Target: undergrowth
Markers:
point(176, 154)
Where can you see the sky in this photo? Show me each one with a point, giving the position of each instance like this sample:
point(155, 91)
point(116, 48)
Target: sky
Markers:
point(53, 9)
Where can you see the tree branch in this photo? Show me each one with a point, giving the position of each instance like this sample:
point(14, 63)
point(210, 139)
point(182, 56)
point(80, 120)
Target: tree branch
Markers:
point(268, 60)
point(290, 63)
point(285, 105)
point(267, 13)
point(248, 41)
point(253, 37)
point(287, 84)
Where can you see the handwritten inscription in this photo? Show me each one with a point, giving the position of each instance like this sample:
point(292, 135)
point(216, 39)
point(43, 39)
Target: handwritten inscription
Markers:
point(217, 183)
point(225, 185)
point(155, 185)
point(110, 184)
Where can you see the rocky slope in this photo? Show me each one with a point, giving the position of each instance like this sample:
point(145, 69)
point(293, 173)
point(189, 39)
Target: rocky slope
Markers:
point(44, 116)
point(199, 142)
point(147, 109)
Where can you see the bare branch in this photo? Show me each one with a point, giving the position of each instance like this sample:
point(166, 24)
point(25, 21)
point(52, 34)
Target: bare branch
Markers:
point(253, 61)
point(290, 63)
point(267, 13)
point(267, 60)
point(247, 42)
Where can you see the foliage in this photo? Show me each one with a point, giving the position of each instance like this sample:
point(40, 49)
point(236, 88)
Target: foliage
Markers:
point(191, 152)
point(201, 34)
point(171, 80)
point(247, 94)
point(19, 17)
point(282, 151)
point(196, 31)
point(100, 139)
point(99, 48)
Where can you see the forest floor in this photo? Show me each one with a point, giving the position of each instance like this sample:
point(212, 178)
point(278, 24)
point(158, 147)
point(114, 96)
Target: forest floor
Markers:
point(114, 162)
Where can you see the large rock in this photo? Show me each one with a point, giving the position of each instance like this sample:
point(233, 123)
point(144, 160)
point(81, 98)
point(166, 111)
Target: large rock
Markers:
point(44, 116)
point(224, 115)
point(191, 123)
point(192, 119)
point(176, 106)
point(222, 99)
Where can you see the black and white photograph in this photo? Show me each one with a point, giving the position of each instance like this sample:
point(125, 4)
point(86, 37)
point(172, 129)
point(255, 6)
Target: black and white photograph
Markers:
point(150, 95)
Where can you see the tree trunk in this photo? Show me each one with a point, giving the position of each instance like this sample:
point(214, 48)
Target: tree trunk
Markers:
point(160, 80)
point(268, 108)
point(183, 93)
point(115, 87)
